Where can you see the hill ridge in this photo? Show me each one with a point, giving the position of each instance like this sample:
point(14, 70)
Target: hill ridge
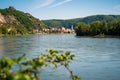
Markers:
point(18, 20)
point(68, 22)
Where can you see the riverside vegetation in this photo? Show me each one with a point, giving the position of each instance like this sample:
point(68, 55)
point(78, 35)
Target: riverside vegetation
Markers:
point(98, 28)
point(30, 69)
point(14, 22)
point(97, 25)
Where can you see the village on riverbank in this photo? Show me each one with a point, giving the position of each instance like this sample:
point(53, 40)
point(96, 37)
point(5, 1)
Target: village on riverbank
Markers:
point(54, 30)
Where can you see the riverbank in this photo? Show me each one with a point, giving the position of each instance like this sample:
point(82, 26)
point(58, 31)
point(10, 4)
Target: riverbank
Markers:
point(42, 33)
point(3, 35)
point(105, 36)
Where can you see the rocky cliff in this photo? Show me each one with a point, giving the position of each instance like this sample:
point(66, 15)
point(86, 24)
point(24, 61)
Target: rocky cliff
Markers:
point(2, 19)
point(7, 19)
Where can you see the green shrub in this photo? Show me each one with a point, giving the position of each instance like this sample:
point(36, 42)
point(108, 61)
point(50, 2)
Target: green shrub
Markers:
point(29, 69)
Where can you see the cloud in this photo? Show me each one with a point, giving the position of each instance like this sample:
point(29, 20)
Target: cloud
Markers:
point(49, 3)
point(60, 3)
point(44, 3)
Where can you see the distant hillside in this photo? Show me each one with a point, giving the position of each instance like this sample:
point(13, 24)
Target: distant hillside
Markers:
point(68, 23)
point(18, 21)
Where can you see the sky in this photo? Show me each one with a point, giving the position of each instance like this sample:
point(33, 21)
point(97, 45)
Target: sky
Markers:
point(64, 9)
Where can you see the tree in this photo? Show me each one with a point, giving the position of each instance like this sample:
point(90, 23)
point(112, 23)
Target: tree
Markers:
point(12, 32)
point(29, 69)
point(98, 27)
point(114, 28)
point(81, 29)
point(4, 29)
point(95, 27)
point(104, 27)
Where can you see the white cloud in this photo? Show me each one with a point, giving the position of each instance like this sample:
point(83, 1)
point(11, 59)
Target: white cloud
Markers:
point(49, 3)
point(44, 3)
point(60, 3)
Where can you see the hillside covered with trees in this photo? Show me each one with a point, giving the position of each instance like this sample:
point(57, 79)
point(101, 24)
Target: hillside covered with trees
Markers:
point(13, 21)
point(73, 22)
point(99, 25)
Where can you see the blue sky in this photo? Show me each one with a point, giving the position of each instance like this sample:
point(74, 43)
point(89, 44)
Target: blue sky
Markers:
point(64, 9)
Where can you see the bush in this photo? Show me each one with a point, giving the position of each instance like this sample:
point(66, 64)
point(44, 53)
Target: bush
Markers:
point(29, 69)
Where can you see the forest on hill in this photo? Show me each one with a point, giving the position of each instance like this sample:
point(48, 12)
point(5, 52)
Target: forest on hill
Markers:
point(13, 21)
point(98, 25)
point(73, 22)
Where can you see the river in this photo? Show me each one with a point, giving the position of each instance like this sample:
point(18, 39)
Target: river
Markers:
point(96, 58)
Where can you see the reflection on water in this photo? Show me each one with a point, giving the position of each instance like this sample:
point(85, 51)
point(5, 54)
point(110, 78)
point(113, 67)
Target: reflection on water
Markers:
point(1, 47)
point(96, 58)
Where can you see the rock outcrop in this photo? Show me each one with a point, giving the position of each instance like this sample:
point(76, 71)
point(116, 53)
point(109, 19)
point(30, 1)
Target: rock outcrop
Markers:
point(2, 19)
point(14, 17)
point(10, 19)
point(7, 19)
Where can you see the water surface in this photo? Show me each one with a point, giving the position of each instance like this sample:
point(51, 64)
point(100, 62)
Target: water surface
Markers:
point(96, 58)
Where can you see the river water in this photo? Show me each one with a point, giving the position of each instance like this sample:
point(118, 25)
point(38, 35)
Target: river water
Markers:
point(96, 58)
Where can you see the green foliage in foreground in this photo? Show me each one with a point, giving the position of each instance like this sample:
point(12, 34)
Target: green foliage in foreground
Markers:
point(30, 69)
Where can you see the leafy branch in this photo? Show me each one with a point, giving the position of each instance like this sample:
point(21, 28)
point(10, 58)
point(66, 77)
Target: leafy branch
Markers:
point(30, 69)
